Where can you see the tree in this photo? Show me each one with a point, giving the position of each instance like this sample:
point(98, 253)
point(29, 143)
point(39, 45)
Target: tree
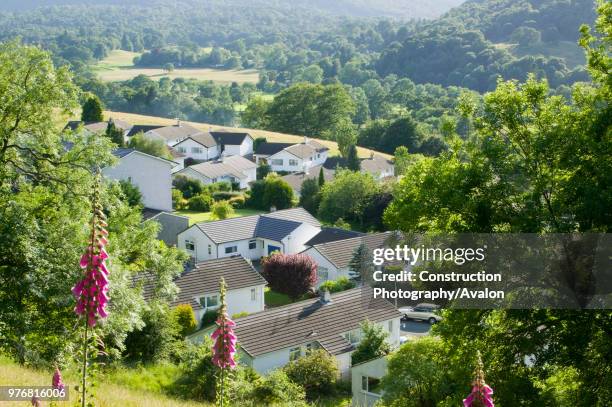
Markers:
point(310, 195)
point(321, 180)
point(263, 170)
point(255, 115)
point(114, 134)
point(131, 192)
point(168, 67)
point(258, 141)
point(352, 160)
point(222, 210)
point(277, 193)
point(361, 263)
point(310, 110)
point(401, 160)
point(202, 202)
point(344, 134)
point(290, 274)
point(153, 147)
point(526, 36)
point(189, 187)
point(373, 344)
point(92, 110)
point(316, 372)
point(347, 196)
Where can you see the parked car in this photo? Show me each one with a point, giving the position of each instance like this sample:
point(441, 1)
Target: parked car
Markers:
point(422, 312)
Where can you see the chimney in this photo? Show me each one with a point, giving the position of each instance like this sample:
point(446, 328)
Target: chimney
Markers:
point(178, 122)
point(325, 297)
point(273, 208)
point(305, 139)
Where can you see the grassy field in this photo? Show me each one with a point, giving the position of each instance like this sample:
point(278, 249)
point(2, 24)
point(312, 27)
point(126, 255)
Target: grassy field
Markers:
point(119, 66)
point(108, 393)
point(195, 217)
point(269, 135)
point(569, 51)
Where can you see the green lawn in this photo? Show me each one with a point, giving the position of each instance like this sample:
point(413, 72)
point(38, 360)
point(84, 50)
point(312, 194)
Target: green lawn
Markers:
point(195, 217)
point(273, 299)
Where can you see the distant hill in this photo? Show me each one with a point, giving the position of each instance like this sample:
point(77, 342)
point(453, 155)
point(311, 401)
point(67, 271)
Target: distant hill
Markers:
point(402, 9)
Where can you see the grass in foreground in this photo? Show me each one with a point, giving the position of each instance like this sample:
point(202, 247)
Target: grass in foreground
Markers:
point(108, 394)
point(196, 217)
point(273, 299)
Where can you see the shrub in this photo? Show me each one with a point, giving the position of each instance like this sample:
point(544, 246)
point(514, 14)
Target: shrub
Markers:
point(277, 389)
point(188, 186)
point(225, 195)
point(373, 345)
point(131, 192)
point(198, 382)
point(208, 318)
point(290, 274)
point(334, 286)
point(237, 202)
point(316, 373)
point(263, 170)
point(240, 315)
point(223, 186)
point(177, 199)
point(221, 210)
point(200, 203)
point(185, 318)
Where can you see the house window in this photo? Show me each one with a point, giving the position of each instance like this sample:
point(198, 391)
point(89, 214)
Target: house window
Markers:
point(253, 294)
point(209, 250)
point(252, 244)
point(189, 245)
point(210, 301)
point(318, 155)
point(323, 273)
point(276, 161)
point(181, 150)
point(197, 150)
point(370, 385)
point(295, 353)
point(391, 326)
point(353, 337)
point(293, 163)
point(231, 249)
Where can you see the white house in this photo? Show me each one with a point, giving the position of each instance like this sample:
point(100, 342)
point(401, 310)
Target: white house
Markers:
point(380, 167)
point(232, 143)
point(366, 382)
point(231, 169)
point(251, 237)
point(272, 338)
point(296, 179)
point(199, 147)
point(200, 287)
point(99, 127)
point(291, 157)
point(152, 176)
point(171, 135)
point(333, 257)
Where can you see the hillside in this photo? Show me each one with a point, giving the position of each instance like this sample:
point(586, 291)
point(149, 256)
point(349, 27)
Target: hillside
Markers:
point(269, 135)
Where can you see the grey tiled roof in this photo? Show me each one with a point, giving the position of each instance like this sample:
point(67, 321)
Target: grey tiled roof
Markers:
point(175, 132)
point(205, 277)
point(203, 139)
point(296, 180)
point(340, 252)
point(231, 166)
point(226, 137)
point(142, 128)
point(277, 224)
point(271, 148)
point(376, 165)
point(312, 321)
point(122, 152)
point(331, 235)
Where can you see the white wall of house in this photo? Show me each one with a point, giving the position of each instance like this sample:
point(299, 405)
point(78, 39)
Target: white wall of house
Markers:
point(248, 299)
point(150, 174)
point(245, 148)
point(294, 242)
point(191, 173)
point(197, 151)
point(375, 369)
point(326, 270)
point(285, 161)
point(250, 176)
point(152, 135)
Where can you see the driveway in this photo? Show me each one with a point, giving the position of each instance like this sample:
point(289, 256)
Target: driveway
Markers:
point(414, 329)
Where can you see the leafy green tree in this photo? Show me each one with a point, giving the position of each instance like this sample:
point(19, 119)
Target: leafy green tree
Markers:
point(92, 110)
point(310, 110)
point(177, 199)
point(321, 180)
point(361, 262)
point(131, 193)
point(275, 388)
point(277, 193)
point(344, 134)
point(114, 134)
point(316, 372)
point(221, 210)
point(346, 196)
point(263, 170)
point(202, 202)
point(401, 160)
point(526, 36)
point(255, 115)
point(168, 67)
point(335, 286)
point(189, 187)
point(373, 343)
point(185, 319)
point(310, 195)
point(153, 147)
point(353, 162)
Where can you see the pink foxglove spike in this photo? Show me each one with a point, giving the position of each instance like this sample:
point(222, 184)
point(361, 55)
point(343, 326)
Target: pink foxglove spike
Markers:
point(56, 382)
point(91, 291)
point(224, 347)
point(481, 395)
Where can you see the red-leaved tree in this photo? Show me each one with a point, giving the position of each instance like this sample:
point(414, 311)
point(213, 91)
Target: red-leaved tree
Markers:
point(291, 274)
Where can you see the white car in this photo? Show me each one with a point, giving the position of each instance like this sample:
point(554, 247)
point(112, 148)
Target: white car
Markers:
point(422, 312)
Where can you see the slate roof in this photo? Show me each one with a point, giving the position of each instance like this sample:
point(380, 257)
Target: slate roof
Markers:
point(327, 235)
point(148, 213)
point(182, 131)
point(312, 321)
point(340, 252)
point(300, 150)
point(203, 139)
point(137, 128)
point(296, 180)
point(377, 165)
point(97, 127)
point(271, 148)
point(122, 152)
point(277, 224)
point(233, 166)
point(204, 279)
point(226, 137)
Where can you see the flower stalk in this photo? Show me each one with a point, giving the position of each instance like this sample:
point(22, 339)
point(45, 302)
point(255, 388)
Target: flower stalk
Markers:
point(224, 347)
point(481, 395)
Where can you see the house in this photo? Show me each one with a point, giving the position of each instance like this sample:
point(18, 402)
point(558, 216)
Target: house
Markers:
point(233, 143)
point(199, 287)
point(331, 234)
point(291, 157)
point(171, 135)
point(235, 169)
point(295, 180)
point(252, 237)
point(379, 166)
point(170, 224)
point(152, 176)
point(366, 382)
point(272, 338)
point(333, 258)
point(99, 127)
point(198, 146)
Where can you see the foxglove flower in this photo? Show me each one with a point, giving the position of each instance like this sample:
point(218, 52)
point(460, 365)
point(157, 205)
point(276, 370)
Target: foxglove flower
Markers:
point(91, 292)
point(224, 347)
point(57, 383)
point(482, 393)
